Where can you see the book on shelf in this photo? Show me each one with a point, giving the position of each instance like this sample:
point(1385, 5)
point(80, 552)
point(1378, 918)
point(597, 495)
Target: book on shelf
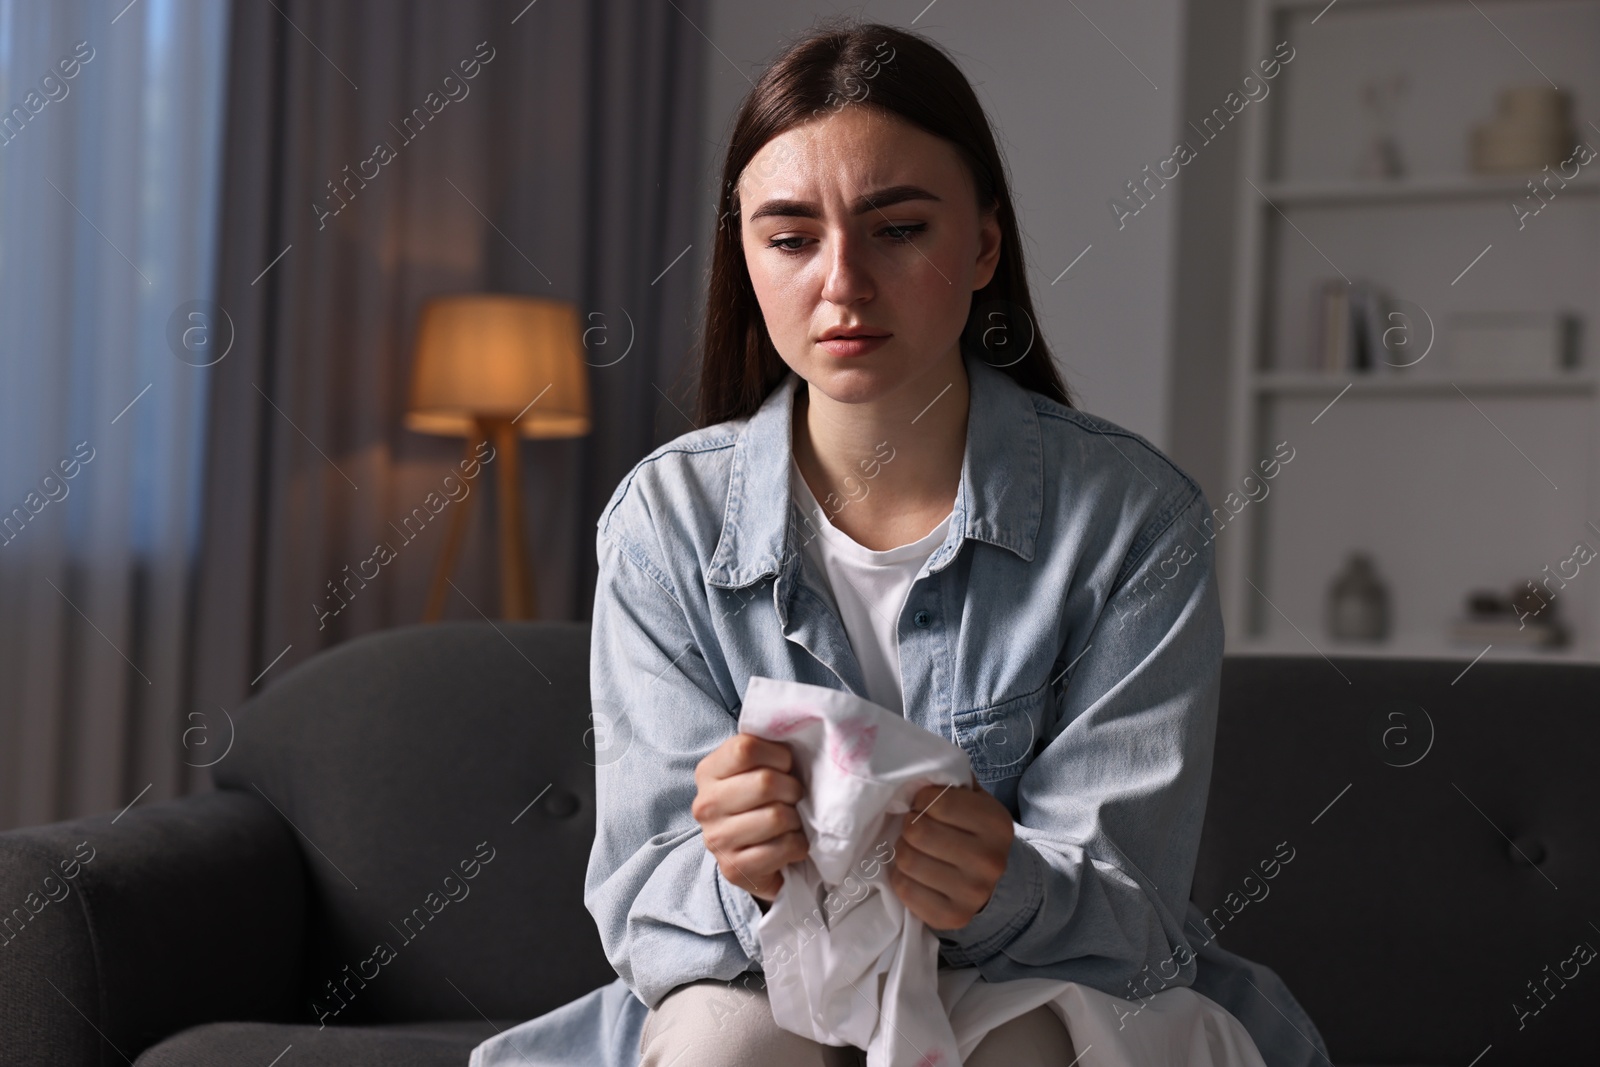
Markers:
point(1509, 632)
point(1349, 327)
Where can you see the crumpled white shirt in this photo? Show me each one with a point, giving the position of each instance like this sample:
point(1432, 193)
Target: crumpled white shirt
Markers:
point(846, 963)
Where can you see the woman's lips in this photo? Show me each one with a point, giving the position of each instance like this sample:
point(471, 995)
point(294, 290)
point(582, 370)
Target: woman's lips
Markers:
point(854, 346)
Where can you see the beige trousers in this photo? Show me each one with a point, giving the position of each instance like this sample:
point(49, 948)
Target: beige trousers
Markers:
point(713, 1023)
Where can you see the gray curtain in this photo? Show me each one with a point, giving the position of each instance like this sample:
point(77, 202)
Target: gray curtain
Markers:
point(109, 140)
point(567, 167)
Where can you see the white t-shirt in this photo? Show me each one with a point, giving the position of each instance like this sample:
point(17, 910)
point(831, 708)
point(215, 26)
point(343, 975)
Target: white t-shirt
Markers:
point(868, 589)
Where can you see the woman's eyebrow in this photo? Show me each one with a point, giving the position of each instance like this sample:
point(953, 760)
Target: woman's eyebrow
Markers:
point(881, 198)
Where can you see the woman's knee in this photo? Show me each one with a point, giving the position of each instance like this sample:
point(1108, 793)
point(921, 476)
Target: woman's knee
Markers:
point(712, 1022)
point(1033, 1039)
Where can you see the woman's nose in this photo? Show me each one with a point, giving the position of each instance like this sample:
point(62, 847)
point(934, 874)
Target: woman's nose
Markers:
point(848, 278)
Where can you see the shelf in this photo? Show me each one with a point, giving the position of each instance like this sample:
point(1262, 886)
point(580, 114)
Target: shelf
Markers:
point(1320, 5)
point(1409, 647)
point(1372, 383)
point(1433, 500)
point(1354, 193)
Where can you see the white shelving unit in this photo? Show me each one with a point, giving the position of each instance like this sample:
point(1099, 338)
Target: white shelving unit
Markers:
point(1451, 482)
point(1426, 190)
point(1298, 382)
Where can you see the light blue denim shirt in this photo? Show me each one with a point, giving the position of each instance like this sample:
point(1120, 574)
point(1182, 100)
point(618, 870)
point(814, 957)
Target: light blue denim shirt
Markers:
point(1067, 634)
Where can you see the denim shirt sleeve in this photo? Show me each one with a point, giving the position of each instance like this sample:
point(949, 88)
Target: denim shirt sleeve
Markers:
point(1110, 810)
point(666, 915)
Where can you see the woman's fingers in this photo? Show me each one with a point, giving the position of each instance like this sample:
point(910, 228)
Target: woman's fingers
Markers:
point(963, 838)
point(969, 808)
point(776, 854)
point(935, 909)
point(743, 752)
point(934, 872)
point(960, 869)
point(723, 797)
point(744, 802)
point(755, 827)
point(940, 840)
point(758, 869)
point(762, 785)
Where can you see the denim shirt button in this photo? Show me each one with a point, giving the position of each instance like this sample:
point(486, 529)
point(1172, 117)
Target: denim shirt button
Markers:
point(921, 619)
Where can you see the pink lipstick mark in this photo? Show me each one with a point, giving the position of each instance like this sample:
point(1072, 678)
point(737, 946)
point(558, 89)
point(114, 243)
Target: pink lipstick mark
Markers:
point(851, 744)
point(785, 723)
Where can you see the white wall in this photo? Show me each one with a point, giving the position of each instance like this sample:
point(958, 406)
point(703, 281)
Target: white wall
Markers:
point(1200, 341)
point(1076, 119)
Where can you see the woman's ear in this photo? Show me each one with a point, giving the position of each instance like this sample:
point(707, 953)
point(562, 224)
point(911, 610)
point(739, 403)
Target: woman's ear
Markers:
point(989, 240)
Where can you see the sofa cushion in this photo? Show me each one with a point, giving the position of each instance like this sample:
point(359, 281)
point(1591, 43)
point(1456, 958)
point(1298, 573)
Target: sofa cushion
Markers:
point(439, 788)
point(1409, 843)
point(429, 1044)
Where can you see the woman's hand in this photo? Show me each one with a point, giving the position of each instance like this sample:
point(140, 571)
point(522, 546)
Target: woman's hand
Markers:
point(744, 802)
point(951, 853)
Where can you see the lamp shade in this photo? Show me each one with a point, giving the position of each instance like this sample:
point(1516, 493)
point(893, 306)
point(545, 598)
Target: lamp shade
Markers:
point(497, 355)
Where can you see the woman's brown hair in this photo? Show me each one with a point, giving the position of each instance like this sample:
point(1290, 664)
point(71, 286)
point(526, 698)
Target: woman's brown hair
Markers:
point(907, 76)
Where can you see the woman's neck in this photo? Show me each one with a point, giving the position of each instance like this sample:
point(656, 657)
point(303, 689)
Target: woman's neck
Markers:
point(892, 465)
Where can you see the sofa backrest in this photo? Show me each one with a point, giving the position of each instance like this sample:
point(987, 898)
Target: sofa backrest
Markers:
point(440, 779)
point(1442, 827)
point(1411, 847)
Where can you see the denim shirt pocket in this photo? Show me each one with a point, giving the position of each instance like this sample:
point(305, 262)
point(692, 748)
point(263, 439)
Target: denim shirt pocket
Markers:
point(1001, 739)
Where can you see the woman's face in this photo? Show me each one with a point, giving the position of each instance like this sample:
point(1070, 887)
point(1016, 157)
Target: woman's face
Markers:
point(905, 266)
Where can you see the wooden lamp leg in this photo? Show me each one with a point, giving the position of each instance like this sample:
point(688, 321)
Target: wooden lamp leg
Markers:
point(516, 574)
point(452, 544)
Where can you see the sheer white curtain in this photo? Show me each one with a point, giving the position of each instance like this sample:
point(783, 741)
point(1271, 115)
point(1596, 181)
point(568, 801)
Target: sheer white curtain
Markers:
point(110, 119)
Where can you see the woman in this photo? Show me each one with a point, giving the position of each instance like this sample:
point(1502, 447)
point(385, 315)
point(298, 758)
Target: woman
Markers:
point(892, 493)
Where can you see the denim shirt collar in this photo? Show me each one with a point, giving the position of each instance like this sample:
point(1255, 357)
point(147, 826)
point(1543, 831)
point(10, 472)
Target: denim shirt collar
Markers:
point(1000, 498)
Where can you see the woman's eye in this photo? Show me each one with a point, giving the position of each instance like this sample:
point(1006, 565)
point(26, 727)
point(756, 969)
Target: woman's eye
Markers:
point(902, 234)
point(899, 235)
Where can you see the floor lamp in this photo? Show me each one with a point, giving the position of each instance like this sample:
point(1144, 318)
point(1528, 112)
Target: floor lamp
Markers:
point(497, 367)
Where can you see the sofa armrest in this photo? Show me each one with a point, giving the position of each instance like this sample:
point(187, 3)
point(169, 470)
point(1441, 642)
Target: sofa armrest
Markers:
point(124, 929)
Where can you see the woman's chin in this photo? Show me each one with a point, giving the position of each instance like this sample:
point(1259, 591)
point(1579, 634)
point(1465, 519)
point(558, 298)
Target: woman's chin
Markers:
point(857, 382)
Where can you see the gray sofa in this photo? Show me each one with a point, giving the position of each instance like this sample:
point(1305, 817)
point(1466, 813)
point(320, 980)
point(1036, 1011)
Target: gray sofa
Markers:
point(430, 789)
